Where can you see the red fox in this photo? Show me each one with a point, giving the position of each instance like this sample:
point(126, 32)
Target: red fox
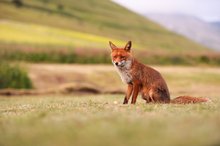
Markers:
point(143, 79)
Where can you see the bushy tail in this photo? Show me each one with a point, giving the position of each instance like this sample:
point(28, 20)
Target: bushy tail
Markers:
point(188, 100)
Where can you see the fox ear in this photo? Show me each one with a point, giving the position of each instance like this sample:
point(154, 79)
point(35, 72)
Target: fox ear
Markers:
point(112, 45)
point(128, 46)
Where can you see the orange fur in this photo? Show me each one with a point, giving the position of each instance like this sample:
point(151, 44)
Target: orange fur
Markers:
point(143, 79)
point(188, 100)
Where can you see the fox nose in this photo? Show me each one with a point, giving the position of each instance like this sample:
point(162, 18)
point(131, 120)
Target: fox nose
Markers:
point(116, 63)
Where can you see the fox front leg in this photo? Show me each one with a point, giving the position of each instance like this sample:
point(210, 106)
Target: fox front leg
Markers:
point(128, 93)
point(135, 93)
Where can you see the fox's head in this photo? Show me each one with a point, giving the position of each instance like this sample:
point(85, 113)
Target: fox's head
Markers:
point(121, 57)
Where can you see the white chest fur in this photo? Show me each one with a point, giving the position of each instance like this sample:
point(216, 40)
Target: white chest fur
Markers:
point(125, 72)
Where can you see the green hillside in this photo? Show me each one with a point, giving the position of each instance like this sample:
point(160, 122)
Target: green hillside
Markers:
point(71, 31)
point(103, 18)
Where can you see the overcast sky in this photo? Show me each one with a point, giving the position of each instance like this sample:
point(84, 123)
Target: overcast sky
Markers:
point(208, 10)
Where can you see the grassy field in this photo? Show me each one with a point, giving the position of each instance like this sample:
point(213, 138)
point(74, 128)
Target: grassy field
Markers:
point(97, 120)
point(103, 120)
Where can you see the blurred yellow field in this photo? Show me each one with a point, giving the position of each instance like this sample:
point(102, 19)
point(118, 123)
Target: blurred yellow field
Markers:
point(12, 32)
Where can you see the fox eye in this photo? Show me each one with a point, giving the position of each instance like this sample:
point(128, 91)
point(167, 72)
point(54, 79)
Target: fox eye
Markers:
point(123, 57)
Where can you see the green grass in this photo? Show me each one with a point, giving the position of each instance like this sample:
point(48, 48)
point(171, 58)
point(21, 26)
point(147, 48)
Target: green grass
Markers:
point(103, 120)
point(13, 76)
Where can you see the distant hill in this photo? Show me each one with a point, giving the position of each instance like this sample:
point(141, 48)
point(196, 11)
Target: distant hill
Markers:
point(216, 24)
point(191, 27)
point(93, 19)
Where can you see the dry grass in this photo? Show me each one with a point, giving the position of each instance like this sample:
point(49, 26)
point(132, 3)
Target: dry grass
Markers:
point(197, 81)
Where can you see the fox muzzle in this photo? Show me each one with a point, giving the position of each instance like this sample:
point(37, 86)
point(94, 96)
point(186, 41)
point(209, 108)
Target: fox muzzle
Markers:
point(119, 64)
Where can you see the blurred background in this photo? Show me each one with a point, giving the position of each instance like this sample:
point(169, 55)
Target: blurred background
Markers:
point(54, 46)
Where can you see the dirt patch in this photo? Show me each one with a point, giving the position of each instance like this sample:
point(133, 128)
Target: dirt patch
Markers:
point(67, 89)
point(53, 75)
